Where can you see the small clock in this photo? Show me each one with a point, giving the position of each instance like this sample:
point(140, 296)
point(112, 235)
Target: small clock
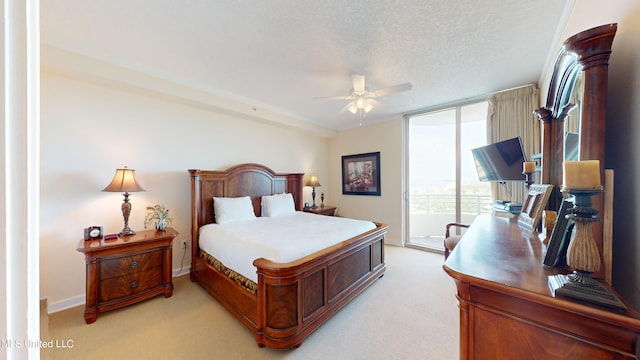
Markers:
point(93, 232)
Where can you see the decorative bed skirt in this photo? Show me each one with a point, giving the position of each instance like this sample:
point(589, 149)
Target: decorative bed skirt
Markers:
point(245, 283)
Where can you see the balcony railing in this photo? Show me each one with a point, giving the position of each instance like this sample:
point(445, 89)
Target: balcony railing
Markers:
point(471, 204)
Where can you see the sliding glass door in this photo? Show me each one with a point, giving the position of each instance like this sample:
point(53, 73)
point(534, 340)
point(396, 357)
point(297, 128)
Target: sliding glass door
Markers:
point(442, 180)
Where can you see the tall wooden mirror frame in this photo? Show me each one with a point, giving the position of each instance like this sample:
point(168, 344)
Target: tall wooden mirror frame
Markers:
point(585, 54)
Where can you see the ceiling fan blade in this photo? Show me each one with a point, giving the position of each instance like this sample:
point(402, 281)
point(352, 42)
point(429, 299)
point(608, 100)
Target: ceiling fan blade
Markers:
point(358, 83)
point(352, 107)
point(391, 90)
point(373, 102)
point(344, 97)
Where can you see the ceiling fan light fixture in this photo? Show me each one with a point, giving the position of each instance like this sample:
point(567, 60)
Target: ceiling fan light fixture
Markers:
point(360, 104)
point(368, 107)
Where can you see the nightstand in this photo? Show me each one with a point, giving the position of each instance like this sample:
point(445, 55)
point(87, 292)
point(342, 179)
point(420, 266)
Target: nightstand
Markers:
point(326, 210)
point(127, 270)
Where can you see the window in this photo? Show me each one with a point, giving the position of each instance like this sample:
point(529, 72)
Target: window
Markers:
point(442, 180)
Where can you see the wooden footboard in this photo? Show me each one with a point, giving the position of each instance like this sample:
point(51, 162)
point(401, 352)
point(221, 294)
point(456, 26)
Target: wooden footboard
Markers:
point(296, 298)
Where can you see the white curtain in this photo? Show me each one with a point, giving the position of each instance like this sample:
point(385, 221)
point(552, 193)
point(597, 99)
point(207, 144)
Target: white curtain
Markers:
point(510, 114)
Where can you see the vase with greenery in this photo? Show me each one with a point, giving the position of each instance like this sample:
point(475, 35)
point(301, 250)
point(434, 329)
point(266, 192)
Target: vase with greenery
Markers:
point(159, 216)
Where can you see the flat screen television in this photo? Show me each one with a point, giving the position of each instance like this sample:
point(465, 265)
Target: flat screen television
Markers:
point(500, 161)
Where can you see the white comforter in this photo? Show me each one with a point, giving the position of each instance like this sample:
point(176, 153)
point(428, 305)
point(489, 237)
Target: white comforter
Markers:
point(280, 239)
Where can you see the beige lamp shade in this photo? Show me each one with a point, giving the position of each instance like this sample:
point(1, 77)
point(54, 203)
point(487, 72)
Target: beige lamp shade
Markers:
point(313, 181)
point(124, 181)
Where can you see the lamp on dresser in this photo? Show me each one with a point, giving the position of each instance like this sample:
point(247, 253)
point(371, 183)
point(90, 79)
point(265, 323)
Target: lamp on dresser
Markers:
point(313, 182)
point(125, 181)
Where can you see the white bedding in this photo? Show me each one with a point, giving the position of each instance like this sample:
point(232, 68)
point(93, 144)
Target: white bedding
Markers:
point(280, 239)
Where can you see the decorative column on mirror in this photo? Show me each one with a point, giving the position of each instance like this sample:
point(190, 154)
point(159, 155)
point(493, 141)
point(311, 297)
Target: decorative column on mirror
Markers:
point(582, 180)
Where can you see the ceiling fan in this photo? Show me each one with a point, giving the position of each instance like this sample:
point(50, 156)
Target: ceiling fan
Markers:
point(361, 98)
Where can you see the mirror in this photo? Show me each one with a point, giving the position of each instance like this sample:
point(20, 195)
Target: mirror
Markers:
point(573, 118)
point(575, 109)
point(571, 142)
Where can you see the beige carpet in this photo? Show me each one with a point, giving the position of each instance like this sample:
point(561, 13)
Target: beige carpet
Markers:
point(410, 313)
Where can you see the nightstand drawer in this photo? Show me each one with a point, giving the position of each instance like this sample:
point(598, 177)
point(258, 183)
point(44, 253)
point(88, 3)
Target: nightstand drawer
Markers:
point(130, 264)
point(125, 285)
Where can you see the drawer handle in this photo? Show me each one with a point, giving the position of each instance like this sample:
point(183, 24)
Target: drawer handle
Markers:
point(134, 264)
point(134, 284)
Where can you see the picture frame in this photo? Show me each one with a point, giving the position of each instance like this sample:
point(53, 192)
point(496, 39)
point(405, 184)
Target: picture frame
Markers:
point(560, 237)
point(361, 174)
point(534, 205)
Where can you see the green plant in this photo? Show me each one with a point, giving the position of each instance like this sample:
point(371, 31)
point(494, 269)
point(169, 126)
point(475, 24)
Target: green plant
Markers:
point(157, 213)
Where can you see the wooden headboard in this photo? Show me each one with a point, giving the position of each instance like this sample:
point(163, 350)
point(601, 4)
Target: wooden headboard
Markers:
point(252, 180)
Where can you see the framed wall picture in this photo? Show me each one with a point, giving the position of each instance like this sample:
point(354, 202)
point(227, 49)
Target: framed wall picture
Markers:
point(534, 204)
point(361, 174)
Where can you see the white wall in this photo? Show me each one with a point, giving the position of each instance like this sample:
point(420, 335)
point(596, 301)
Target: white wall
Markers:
point(386, 138)
point(89, 129)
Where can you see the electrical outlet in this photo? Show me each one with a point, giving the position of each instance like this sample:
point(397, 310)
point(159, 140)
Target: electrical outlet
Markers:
point(184, 244)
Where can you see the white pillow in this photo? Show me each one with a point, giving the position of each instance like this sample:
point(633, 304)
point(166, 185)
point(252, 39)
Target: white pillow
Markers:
point(233, 209)
point(277, 205)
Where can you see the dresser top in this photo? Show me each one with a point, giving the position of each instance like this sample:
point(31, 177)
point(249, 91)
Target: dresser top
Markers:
point(498, 254)
point(497, 249)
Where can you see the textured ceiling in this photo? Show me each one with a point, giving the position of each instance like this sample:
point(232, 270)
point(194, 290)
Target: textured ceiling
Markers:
point(280, 54)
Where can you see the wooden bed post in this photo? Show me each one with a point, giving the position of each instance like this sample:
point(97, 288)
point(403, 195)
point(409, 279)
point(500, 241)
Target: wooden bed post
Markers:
point(195, 206)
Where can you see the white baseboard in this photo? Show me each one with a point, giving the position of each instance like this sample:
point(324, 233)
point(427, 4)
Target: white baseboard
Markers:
point(185, 270)
point(56, 306)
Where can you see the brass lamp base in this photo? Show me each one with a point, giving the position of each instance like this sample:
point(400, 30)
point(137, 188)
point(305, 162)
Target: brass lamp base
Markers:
point(126, 210)
point(313, 196)
point(126, 232)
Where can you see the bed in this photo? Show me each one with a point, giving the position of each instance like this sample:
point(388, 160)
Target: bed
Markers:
point(289, 300)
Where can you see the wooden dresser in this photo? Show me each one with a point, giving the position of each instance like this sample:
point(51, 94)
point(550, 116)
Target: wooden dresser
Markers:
point(507, 310)
point(127, 270)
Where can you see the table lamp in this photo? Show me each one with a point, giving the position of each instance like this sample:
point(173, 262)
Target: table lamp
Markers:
point(125, 181)
point(313, 182)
